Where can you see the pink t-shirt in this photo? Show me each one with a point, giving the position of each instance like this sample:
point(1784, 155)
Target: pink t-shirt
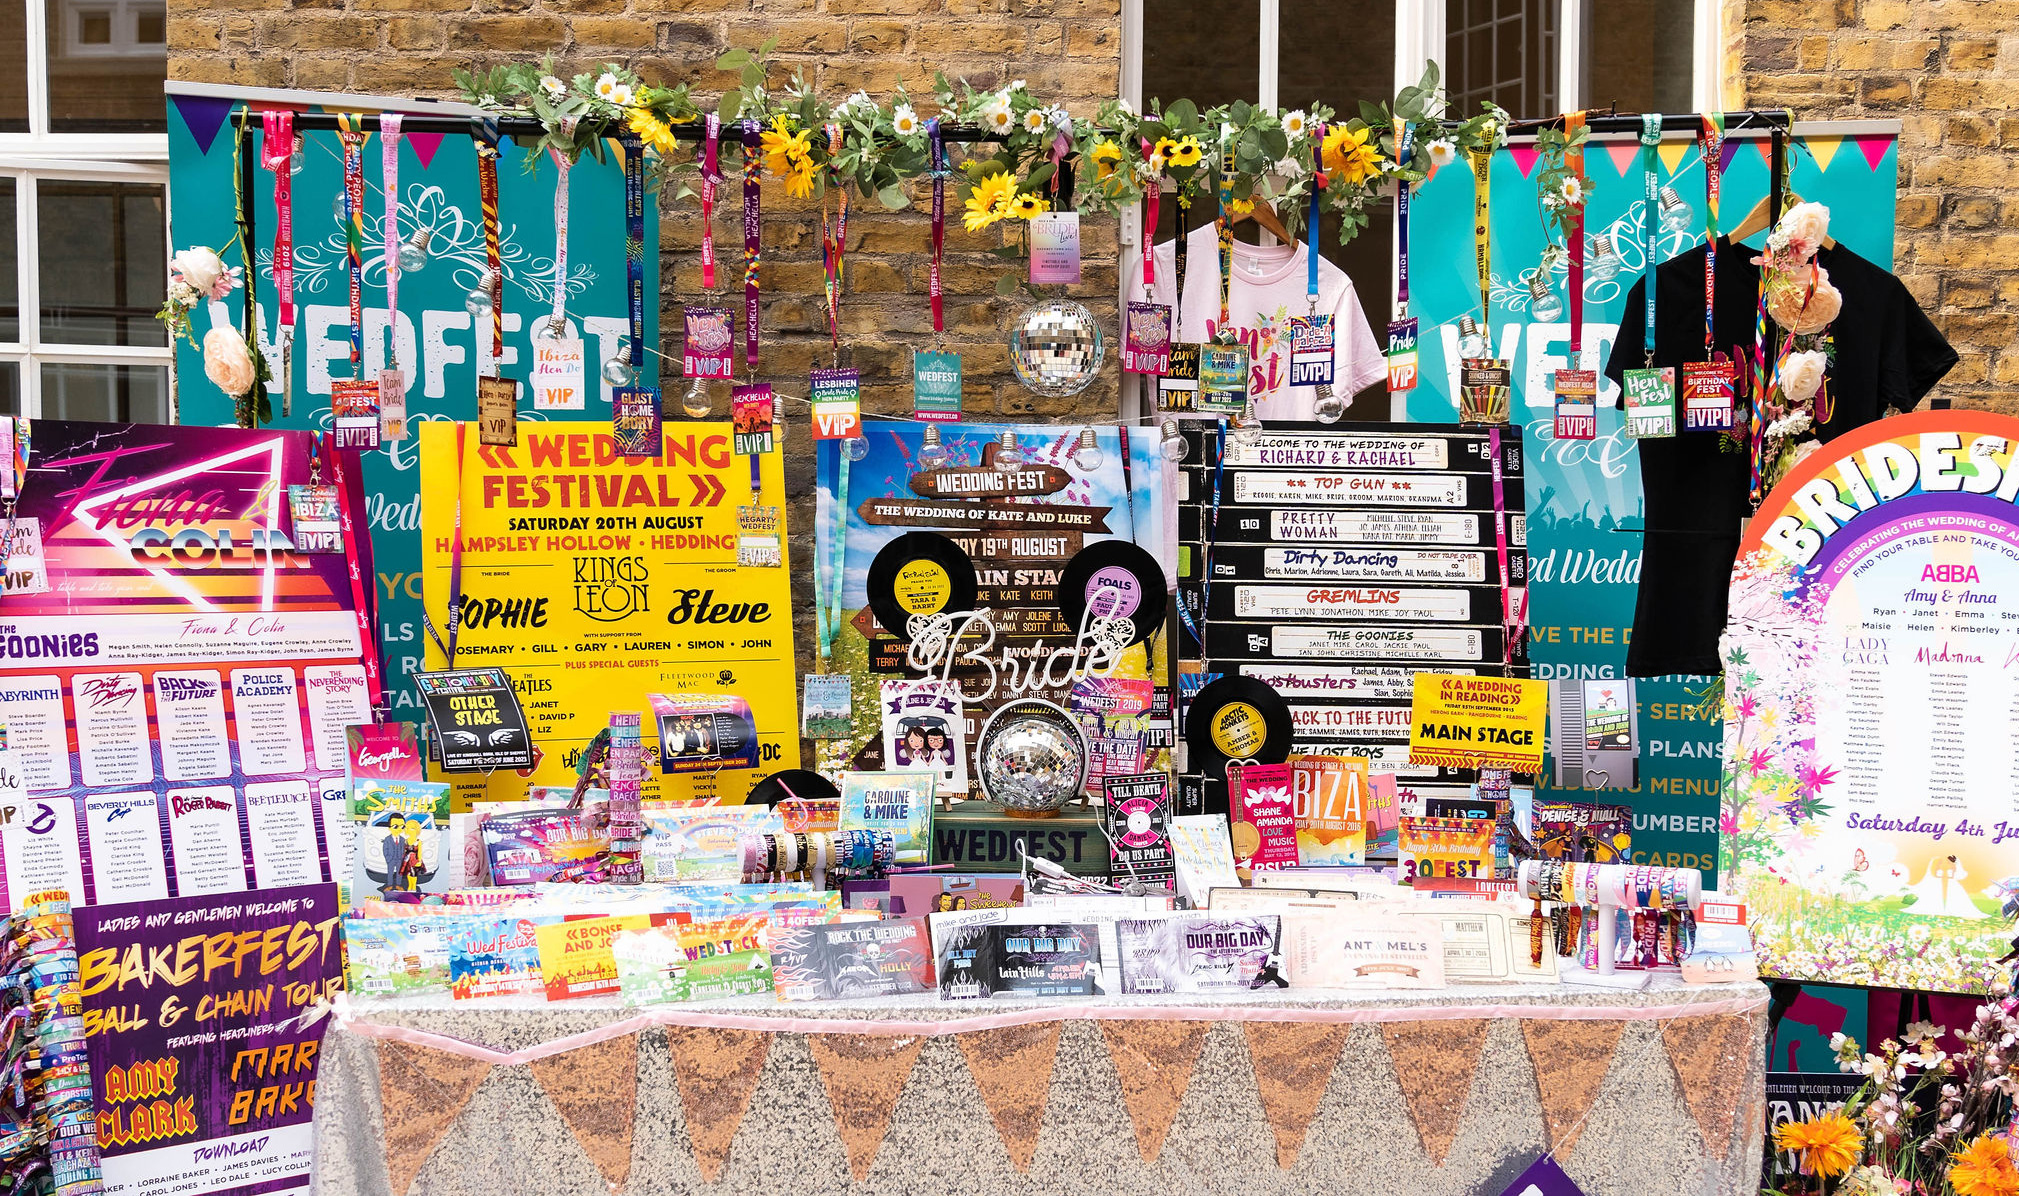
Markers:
point(1269, 285)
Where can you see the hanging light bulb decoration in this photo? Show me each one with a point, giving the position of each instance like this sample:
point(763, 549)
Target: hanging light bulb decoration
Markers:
point(1471, 341)
point(1088, 456)
point(413, 252)
point(1247, 426)
point(478, 301)
point(697, 402)
point(1328, 407)
point(1604, 265)
point(1173, 446)
point(336, 208)
point(1542, 301)
point(931, 453)
point(617, 368)
point(1676, 214)
point(855, 448)
point(296, 159)
point(1008, 454)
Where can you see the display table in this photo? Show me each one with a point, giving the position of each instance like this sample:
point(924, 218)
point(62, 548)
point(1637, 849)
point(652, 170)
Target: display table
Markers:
point(1452, 1091)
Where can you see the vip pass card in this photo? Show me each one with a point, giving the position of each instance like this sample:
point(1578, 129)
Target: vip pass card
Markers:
point(476, 721)
point(1650, 403)
point(836, 399)
point(354, 406)
point(827, 708)
point(636, 421)
point(710, 343)
point(1178, 388)
point(1311, 350)
point(899, 802)
point(1146, 340)
point(1707, 395)
point(497, 412)
point(1138, 812)
point(1576, 405)
point(318, 524)
point(935, 386)
point(1055, 248)
point(1223, 379)
point(752, 412)
point(1401, 355)
point(560, 375)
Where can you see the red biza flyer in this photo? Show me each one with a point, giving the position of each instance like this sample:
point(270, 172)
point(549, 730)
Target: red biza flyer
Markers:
point(187, 672)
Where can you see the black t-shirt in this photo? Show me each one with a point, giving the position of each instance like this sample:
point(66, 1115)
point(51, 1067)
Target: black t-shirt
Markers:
point(1695, 484)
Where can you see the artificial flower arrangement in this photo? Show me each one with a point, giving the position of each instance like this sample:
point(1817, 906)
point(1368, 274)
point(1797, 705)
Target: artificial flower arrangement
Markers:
point(1802, 303)
point(196, 276)
point(1925, 1122)
point(1561, 191)
point(199, 275)
point(580, 114)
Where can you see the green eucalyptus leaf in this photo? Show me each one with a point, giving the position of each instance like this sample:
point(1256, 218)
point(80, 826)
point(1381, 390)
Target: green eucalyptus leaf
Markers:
point(893, 198)
point(1007, 285)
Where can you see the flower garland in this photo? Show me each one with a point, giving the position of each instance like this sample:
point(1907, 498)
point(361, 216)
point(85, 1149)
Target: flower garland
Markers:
point(1803, 303)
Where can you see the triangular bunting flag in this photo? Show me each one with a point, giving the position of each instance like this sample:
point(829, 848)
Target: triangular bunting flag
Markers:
point(1012, 1069)
point(422, 1093)
point(1570, 1060)
point(204, 116)
point(1154, 1060)
point(1293, 1066)
point(1765, 146)
point(1543, 1178)
point(425, 145)
point(1710, 1056)
point(1728, 148)
point(1874, 147)
point(1525, 155)
point(1623, 154)
point(864, 1075)
point(717, 1071)
point(1823, 149)
point(596, 1089)
point(1430, 172)
point(1671, 154)
point(1434, 1062)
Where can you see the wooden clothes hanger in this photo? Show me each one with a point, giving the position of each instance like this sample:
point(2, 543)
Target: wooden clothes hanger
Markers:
point(1265, 215)
point(1757, 220)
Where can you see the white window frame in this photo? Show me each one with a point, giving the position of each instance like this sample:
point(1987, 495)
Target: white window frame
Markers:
point(39, 155)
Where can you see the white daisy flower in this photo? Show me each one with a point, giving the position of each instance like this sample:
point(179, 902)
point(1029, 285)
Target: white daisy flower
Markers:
point(606, 83)
point(904, 121)
point(620, 95)
point(553, 87)
point(996, 116)
point(1442, 151)
point(1126, 107)
point(1573, 191)
point(1015, 85)
point(1295, 122)
point(1035, 121)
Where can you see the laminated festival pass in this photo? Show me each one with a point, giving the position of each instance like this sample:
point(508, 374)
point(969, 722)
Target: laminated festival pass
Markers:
point(1478, 722)
point(595, 580)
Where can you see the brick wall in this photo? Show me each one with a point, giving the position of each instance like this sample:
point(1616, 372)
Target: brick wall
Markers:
point(1949, 71)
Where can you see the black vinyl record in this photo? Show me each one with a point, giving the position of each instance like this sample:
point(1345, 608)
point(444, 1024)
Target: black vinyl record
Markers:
point(919, 573)
point(1236, 718)
point(1130, 576)
point(802, 784)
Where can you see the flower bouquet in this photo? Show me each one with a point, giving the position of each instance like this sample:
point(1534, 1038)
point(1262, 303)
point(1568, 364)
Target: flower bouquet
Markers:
point(1802, 304)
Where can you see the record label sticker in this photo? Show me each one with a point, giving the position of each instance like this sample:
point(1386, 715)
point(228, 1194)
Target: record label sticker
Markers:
point(1113, 593)
point(922, 588)
point(1239, 730)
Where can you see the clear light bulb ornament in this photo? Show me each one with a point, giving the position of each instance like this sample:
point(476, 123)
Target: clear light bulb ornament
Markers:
point(1173, 446)
point(697, 402)
point(1247, 426)
point(336, 208)
point(1542, 301)
point(1087, 457)
point(1471, 341)
point(413, 252)
point(296, 159)
point(617, 368)
point(1676, 216)
point(1008, 453)
point(1328, 407)
point(855, 448)
point(478, 301)
point(931, 453)
point(1604, 265)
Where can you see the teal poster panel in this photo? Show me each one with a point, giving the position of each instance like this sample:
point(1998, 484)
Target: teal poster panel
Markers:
point(440, 346)
point(1584, 497)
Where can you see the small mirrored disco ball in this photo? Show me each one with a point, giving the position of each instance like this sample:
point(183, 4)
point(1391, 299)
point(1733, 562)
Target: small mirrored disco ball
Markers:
point(1056, 347)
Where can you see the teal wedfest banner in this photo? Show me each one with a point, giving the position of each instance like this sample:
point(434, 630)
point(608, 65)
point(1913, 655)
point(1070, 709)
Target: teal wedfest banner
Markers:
point(441, 346)
point(1584, 497)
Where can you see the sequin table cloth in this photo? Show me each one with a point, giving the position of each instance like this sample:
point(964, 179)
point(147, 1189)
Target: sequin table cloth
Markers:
point(1454, 1091)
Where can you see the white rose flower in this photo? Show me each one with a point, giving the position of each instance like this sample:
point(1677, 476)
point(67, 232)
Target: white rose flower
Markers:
point(1802, 375)
point(200, 268)
point(226, 361)
point(1804, 227)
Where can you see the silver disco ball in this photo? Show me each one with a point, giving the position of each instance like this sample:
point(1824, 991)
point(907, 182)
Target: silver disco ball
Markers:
point(1057, 347)
point(1031, 758)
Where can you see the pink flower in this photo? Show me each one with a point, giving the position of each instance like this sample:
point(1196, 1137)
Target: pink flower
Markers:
point(1759, 762)
point(1813, 779)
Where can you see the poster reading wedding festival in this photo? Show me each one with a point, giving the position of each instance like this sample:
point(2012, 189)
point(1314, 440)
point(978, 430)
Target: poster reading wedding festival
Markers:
point(1871, 808)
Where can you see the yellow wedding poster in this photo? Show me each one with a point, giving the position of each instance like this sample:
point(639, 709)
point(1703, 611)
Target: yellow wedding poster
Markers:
point(595, 580)
point(1478, 722)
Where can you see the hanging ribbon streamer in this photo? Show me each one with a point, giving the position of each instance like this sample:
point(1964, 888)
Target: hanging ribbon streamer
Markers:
point(1712, 141)
point(833, 243)
point(485, 131)
point(633, 151)
point(938, 144)
point(1481, 160)
point(1573, 160)
point(1153, 198)
point(753, 235)
point(562, 164)
point(711, 175)
point(389, 182)
point(351, 132)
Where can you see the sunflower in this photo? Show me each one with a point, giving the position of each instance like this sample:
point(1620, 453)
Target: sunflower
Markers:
point(1240, 207)
point(989, 201)
point(784, 150)
point(1186, 153)
point(654, 132)
point(1028, 207)
point(1346, 151)
point(1984, 1168)
point(1160, 154)
point(1107, 158)
point(1829, 1145)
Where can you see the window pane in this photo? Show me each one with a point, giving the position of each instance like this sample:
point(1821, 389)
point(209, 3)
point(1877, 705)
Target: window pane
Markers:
point(13, 68)
point(1641, 55)
point(109, 393)
point(107, 61)
point(10, 388)
point(103, 262)
point(10, 267)
point(1504, 51)
point(1209, 55)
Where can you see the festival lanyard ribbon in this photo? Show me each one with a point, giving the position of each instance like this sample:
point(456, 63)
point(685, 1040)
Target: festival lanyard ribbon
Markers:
point(1762, 379)
point(1153, 198)
point(562, 164)
point(753, 235)
point(1573, 160)
point(455, 614)
point(276, 151)
point(1182, 250)
point(1650, 157)
point(711, 175)
point(1481, 160)
point(354, 561)
point(1405, 136)
point(1513, 606)
point(485, 131)
point(937, 141)
point(389, 182)
point(633, 151)
point(350, 130)
point(833, 243)
point(1226, 235)
point(1710, 139)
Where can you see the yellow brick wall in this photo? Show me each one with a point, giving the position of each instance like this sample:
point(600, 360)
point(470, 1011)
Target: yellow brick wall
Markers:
point(1948, 70)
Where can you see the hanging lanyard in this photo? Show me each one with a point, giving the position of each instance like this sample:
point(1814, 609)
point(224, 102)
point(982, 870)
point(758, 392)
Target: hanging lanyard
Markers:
point(711, 174)
point(1650, 158)
point(354, 563)
point(1182, 253)
point(1311, 224)
point(1153, 197)
point(1573, 160)
point(389, 182)
point(1762, 381)
point(1481, 160)
point(833, 242)
point(828, 608)
point(1710, 141)
point(276, 151)
point(486, 132)
point(938, 160)
point(753, 235)
point(455, 617)
point(559, 324)
point(1405, 137)
point(352, 134)
point(1511, 621)
point(633, 151)
point(1226, 233)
